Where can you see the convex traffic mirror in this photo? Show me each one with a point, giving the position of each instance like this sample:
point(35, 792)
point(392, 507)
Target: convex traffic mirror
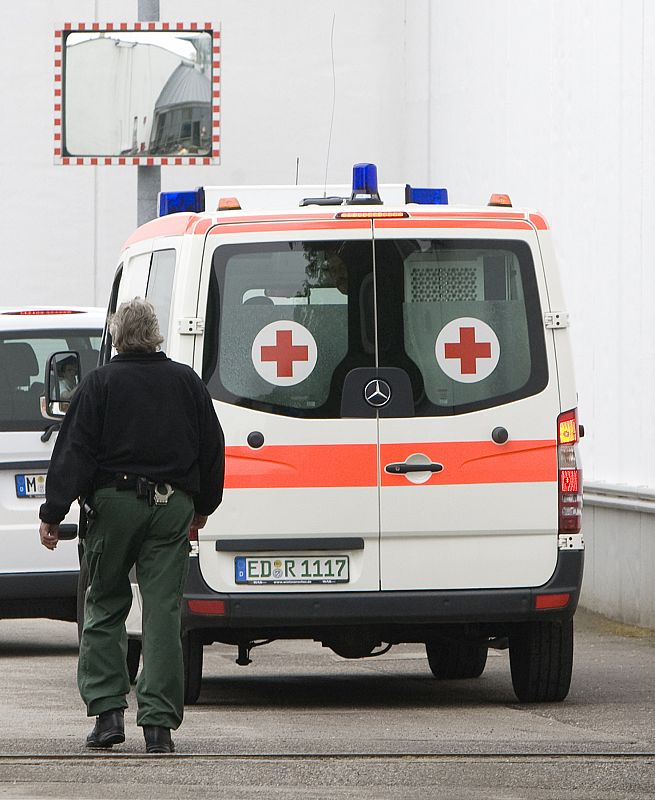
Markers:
point(132, 94)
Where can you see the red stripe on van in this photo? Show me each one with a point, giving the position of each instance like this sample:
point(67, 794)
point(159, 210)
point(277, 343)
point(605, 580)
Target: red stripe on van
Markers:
point(477, 462)
point(451, 222)
point(226, 219)
point(539, 221)
point(180, 224)
point(171, 225)
point(298, 225)
point(450, 214)
point(306, 466)
point(300, 466)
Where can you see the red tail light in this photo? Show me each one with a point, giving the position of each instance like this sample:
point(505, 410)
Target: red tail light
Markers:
point(216, 607)
point(570, 473)
point(543, 601)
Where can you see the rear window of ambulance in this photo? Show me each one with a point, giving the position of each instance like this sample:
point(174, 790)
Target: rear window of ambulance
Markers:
point(288, 321)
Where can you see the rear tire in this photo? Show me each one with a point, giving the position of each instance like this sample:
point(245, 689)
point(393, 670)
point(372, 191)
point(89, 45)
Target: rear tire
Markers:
point(541, 660)
point(192, 647)
point(456, 659)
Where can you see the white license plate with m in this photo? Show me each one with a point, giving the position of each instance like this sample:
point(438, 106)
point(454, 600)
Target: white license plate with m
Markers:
point(261, 570)
point(30, 485)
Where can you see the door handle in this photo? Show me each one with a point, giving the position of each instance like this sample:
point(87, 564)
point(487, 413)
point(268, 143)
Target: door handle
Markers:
point(403, 467)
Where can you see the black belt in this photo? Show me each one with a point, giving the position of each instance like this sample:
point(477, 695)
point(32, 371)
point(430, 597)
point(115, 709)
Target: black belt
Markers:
point(142, 486)
point(121, 481)
point(126, 482)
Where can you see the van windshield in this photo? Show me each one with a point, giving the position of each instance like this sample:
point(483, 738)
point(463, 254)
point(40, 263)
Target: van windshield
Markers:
point(23, 357)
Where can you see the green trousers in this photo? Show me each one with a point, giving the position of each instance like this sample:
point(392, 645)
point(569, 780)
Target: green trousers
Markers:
point(127, 532)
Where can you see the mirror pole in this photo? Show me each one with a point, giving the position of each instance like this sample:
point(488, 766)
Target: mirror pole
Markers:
point(148, 178)
point(148, 10)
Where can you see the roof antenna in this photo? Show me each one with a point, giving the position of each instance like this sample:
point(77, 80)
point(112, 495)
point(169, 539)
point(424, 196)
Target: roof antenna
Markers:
point(334, 96)
point(325, 200)
point(297, 168)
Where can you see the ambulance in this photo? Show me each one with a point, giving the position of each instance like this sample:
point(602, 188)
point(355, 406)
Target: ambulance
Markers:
point(395, 382)
point(35, 582)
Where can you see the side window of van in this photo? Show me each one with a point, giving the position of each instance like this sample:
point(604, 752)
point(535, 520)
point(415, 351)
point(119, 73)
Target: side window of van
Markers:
point(160, 288)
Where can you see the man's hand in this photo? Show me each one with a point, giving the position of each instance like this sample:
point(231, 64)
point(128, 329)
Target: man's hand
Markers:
point(198, 522)
point(49, 534)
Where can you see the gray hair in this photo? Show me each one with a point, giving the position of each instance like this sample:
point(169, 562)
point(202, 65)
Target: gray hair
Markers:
point(134, 327)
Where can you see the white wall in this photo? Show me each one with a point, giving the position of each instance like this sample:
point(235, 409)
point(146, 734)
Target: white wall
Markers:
point(549, 101)
point(553, 103)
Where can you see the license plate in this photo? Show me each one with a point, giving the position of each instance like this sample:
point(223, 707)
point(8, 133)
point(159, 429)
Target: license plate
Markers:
point(30, 485)
point(291, 569)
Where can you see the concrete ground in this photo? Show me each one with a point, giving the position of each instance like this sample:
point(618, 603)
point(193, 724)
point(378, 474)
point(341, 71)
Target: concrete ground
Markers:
point(302, 722)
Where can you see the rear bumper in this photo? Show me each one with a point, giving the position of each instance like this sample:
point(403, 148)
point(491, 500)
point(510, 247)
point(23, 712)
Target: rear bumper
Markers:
point(52, 595)
point(267, 613)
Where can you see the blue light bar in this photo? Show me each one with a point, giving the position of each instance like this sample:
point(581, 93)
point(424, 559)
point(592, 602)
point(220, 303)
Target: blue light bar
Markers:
point(365, 184)
point(174, 202)
point(426, 197)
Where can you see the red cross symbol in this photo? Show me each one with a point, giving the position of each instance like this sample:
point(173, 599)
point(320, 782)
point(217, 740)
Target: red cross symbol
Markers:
point(285, 353)
point(468, 351)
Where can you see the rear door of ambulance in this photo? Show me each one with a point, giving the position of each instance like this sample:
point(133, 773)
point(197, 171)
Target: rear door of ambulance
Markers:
point(459, 309)
point(288, 307)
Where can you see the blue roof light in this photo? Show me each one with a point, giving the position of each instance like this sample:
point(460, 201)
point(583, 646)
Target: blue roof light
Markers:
point(174, 202)
point(426, 197)
point(365, 184)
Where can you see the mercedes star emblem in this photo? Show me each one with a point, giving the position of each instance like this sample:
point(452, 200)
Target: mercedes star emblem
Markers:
point(377, 393)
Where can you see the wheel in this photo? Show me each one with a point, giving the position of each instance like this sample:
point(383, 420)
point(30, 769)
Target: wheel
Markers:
point(456, 659)
point(541, 660)
point(133, 658)
point(192, 651)
point(82, 586)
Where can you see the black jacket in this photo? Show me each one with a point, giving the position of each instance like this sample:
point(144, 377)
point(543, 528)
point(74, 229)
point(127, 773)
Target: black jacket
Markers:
point(140, 414)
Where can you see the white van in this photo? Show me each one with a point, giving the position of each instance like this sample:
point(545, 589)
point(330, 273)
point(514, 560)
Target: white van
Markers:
point(35, 582)
point(396, 387)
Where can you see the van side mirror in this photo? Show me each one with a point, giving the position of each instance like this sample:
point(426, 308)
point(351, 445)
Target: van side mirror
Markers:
point(63, 374)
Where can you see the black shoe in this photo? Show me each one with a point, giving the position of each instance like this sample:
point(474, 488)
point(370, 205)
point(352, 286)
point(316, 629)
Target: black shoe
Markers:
point(158, 739)
point(108, 730)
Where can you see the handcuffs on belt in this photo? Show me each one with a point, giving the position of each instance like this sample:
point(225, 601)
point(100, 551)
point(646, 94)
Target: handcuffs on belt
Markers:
point(155, 492)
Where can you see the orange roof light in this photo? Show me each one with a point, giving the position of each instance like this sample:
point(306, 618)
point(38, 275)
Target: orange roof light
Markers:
point(229, 204)
point(499, 200)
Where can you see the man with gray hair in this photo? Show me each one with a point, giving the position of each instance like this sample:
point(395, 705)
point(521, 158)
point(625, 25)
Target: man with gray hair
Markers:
point(142, 441)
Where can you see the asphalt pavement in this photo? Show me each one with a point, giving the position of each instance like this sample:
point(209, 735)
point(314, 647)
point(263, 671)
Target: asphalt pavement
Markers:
point(301, 722)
